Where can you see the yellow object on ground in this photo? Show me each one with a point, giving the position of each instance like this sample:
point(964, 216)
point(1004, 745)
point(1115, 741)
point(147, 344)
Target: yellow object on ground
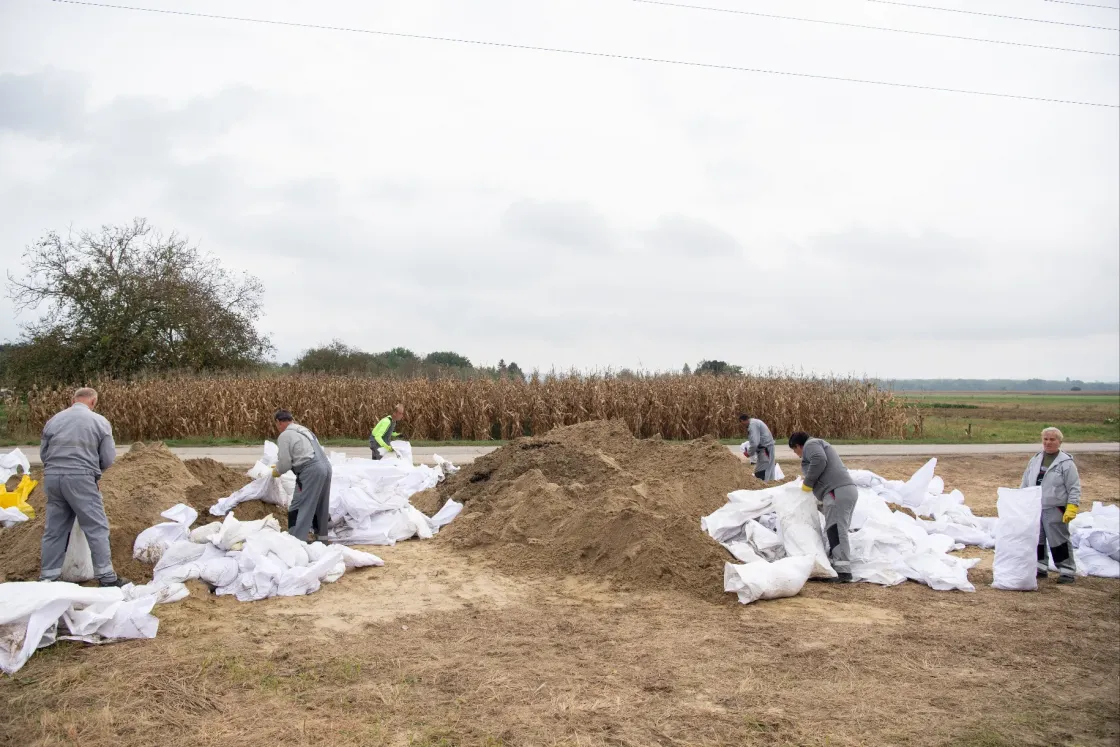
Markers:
point(18, 497)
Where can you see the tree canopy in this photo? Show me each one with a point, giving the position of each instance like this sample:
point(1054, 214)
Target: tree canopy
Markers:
point(126, 300)
point(718, 368)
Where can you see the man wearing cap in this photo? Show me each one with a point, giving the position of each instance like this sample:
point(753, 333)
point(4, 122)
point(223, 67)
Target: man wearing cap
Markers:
point(76, 447)
point(301, 453)
point(826, 476)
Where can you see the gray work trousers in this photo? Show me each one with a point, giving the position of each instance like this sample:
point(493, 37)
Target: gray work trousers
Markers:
point(838, 506)
point(311, 502)
point(767, 459)
point(1055, 533)
point(71, 497)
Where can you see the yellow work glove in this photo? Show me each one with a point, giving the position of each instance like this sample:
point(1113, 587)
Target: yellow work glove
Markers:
point(806, 488)
point(388, 449)
point(1071, 512)
point(275, 472)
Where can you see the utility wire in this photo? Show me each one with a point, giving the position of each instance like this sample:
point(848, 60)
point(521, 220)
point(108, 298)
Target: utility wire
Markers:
point(993, 15)
point(1084, 5)
point(871, 28)
point(604, 55)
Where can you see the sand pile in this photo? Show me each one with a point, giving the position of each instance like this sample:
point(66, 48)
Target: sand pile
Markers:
point(218, 481)
point(145, 481)
point(592, 499)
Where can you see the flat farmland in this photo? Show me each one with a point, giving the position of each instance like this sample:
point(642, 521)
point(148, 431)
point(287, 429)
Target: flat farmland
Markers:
point(1012, 417)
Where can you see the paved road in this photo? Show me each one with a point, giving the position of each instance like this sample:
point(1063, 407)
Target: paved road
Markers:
point(246, 455)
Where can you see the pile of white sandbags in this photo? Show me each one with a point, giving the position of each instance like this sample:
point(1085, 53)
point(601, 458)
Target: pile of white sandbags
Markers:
point(924, 494)
point(31, 614)
point(250, 560)
point(888, 547)
point(1095, 536)
point(369, 498)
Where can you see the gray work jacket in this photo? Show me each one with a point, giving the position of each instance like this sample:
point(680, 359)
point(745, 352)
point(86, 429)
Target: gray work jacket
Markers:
point(1061, 485)
point(77, 441)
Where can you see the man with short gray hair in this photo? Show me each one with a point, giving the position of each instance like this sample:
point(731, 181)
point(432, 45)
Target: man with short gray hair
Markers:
point(1053, 470)
point(76, 448)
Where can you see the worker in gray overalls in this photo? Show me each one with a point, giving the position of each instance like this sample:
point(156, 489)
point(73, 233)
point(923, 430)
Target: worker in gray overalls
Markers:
point(76, 448)
point(1053, 470)
point(836, 493)
point(761, 446)
point(301, 453)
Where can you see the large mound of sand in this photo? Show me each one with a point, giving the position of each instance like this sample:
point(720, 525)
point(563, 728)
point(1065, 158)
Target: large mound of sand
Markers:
point(591, 499)
point(140, 485)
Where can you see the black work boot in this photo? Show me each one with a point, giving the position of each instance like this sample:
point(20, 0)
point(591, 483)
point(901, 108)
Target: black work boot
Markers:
point(118, 582)
point(841, 578)
point(1063, 579)
point(1041, 574)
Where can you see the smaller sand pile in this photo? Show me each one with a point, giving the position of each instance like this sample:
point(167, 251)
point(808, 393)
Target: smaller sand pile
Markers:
point(218, 481)
point(592, 499)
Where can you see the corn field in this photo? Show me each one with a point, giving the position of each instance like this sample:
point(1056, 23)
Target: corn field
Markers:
point(676, 407)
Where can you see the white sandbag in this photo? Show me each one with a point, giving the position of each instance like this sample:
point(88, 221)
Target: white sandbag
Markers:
point(1094, 563)
point(865, 478)
point(233, 532)
point(754, 581)
point(917, 487)
point(801, 528)
point(77, 565)
point(726, 523)
point(351, 557)
point(15, 462)
point(1016, 538)
point(306, 579)
point(868, 505)
point(11, 516)
point(106, 621)
point(30, 612)
point(402, 450)
point(743, 552)
point(966, 535)
point(1105, 542)
point(164, 593)
point(881, 572)
point(266, 489)
point(778, 474)
point(445, 515)
point(446, 468)
point(765, 542)
point(177, 554)
point(150, 543)
point(205, 532)
point(286, 548)
point(941, 572)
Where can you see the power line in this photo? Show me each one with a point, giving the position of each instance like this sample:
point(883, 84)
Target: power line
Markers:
point(993, 15)
point(581, 53)
point(1084, 5)
point(872, 28)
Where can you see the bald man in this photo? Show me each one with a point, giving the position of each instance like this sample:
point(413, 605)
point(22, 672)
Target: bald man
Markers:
point(76, 448)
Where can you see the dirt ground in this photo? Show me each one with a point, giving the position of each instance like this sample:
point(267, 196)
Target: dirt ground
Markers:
point(440, 647)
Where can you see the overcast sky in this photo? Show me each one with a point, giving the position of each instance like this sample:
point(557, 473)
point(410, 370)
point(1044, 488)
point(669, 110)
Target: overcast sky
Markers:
point(565, 211)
